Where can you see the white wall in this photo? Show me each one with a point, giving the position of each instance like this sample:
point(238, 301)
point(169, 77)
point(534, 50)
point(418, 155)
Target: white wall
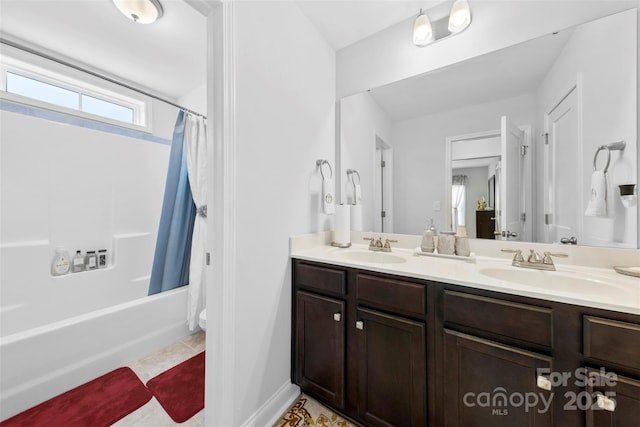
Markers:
point(366, 120)
point(195, 100)
point(285, 117)
point(419, 151)
point(608, 89)
point(62, 184)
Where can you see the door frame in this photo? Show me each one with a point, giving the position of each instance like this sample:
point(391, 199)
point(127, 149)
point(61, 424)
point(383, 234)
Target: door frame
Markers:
point(448, 157)
point(565, 91)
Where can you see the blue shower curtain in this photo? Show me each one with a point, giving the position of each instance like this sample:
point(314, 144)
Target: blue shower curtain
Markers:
point(173, 247)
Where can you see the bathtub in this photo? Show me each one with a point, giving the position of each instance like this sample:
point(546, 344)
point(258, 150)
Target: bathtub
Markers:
point(42, 362)
point(59, 332)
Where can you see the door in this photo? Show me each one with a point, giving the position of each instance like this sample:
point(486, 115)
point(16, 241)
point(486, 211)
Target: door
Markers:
point(392, 377)
point(511, 197)
point(611, 402)
point(485, 382)
point(561, 177)
point(382, 187)
point(320, 346)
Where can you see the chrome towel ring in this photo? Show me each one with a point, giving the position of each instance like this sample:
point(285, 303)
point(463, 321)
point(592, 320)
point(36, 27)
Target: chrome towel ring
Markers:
point(351, 173)
point(608, 148)
point(321, 163)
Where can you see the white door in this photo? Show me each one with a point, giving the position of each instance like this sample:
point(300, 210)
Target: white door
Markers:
point(561, 178)
point(509, 221)
point(382, 187)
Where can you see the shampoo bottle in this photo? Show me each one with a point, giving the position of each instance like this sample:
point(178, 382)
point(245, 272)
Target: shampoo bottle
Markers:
point(60, 265)
point(77, 265)
point(91, 260)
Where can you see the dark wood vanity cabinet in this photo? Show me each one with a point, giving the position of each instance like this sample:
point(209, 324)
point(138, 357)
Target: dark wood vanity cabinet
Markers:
point(491, 369)
point(320, 346)
point(409, 352)
point(484, 382)
point(369, 362)
point(613, 390)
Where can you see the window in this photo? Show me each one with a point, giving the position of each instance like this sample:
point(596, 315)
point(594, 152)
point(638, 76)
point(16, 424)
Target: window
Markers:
point(32, 80)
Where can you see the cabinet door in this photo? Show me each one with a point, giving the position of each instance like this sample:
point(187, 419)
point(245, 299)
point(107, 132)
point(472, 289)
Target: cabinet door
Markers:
point(623, 392)
point(490, 384)
point(320, 347)
point(392, 374)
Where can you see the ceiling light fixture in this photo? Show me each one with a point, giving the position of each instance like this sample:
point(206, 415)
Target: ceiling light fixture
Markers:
point(140, 11)
point(422, 30)
point(460, 16)
point(450, 18)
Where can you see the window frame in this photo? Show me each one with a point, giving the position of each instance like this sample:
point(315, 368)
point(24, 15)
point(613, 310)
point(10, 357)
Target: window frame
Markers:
point(50, 72)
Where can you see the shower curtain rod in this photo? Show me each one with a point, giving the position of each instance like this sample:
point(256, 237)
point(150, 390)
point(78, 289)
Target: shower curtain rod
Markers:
point(95, 74)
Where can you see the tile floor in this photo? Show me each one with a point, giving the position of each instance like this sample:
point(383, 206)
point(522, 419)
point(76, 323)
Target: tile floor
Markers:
point(153, 364)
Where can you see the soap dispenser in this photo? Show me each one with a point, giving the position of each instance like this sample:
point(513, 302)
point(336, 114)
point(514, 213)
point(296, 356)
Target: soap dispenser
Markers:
point(428, 244)
point(60, 265)
point(433, 228)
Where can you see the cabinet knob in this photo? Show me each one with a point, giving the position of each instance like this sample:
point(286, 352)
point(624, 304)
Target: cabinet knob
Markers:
point(337, 317)
point(360, 325)
point(604, 402)
point(543, 383)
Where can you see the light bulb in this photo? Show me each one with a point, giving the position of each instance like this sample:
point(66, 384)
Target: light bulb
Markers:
point(422, 31)
point(460, 16)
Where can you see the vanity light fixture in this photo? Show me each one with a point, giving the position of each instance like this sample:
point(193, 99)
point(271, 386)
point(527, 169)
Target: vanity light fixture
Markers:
point(449, 18)
point(422, 30)
point(140, 11)
point(460, 16)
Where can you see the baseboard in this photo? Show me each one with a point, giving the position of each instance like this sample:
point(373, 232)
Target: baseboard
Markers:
point(269, 413)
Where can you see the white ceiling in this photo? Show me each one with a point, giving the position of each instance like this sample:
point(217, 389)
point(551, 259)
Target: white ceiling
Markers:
point(344, 22)
point(168, 56)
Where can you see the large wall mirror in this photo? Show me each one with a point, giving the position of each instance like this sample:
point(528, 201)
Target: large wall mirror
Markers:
point(509, 142)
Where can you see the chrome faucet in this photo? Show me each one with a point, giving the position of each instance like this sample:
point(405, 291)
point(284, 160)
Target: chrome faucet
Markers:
point(534, 260)
point(378, 246)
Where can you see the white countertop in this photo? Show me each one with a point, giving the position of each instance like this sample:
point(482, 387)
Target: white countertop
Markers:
point(573, 284)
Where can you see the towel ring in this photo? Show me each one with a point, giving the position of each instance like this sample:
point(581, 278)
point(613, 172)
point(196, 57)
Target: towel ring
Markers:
point(321, 163)
point(608, 147)
point(352, 172)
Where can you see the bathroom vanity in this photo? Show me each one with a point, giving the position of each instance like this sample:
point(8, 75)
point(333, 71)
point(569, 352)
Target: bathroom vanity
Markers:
point(417, 341)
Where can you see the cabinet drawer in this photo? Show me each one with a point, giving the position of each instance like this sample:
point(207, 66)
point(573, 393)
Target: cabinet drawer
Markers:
point(321, 278)
point(520, 322)
point(394, 295)
point(612, 341)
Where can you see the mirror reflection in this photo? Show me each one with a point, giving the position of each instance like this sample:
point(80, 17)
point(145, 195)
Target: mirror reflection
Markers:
point(513, 144)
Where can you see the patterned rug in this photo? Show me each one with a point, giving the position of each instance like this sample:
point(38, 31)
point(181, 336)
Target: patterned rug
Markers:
point(308, 412)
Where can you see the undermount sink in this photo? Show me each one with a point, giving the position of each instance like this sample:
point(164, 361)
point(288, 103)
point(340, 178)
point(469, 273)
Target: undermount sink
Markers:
point(549, 279)
point(369, 256)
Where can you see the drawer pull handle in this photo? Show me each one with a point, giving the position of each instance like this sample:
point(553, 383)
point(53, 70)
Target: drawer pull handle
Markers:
point(337, 317)
point(543, 383)
point(603, 402)
point(360, 325)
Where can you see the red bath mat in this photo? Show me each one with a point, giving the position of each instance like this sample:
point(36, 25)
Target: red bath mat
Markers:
point(100, 402)
point(180, 390)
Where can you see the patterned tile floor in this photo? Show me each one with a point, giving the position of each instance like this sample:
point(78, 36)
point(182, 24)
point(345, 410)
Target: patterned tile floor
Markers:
point(153, 364)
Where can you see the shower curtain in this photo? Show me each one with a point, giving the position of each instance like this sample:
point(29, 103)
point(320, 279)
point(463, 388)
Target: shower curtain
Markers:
point(196, 144)
point(173, 246)
point(180, 249)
